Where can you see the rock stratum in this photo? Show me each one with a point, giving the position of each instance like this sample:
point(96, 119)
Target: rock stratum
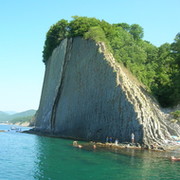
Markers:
point(86, 94)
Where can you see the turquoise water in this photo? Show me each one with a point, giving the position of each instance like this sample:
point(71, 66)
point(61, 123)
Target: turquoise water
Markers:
point(31, 157)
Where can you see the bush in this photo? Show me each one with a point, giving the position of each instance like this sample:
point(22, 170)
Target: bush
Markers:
point(176, 115)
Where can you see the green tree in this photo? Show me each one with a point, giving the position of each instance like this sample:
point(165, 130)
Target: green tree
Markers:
point(96, 33)
point(125, 26)
point(175, 47)
point(166, 87)
point(80, 25)
point(120, 42)
point(136, 31)
point(56, 33)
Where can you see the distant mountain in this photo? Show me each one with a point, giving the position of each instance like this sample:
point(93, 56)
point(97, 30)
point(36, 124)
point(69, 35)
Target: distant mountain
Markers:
point(3, 116)
point(24, 113)
point(6, 117)
point(3, 113)
point(10, 112)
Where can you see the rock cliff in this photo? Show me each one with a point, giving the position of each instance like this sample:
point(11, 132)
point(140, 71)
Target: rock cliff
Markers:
point(87, 95)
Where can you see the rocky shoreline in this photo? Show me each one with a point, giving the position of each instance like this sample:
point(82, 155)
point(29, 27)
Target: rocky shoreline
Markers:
point(168, 146)
point(165, 148)
point(25, 124)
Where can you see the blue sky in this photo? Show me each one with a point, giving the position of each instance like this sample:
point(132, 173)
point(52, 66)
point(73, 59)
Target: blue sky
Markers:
point(24, 24)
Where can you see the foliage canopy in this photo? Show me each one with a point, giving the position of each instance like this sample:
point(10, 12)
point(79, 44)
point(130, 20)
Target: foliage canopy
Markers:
point(156, 67)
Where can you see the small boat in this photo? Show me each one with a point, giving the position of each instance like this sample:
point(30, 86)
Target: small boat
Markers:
point(174, 158)
point(13, 128)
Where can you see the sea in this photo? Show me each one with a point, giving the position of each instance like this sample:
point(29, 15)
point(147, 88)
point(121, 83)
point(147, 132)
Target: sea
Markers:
point(26, 156)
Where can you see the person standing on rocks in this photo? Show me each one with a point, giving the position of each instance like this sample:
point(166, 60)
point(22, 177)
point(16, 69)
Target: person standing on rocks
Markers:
point(110, 139)
point(116, 142)
point(107, 139)
point(132, 137)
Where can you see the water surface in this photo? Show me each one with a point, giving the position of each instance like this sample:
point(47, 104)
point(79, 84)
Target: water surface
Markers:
point(31, 157)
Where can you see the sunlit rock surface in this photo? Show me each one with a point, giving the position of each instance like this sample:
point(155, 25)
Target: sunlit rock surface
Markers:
point(86, 94)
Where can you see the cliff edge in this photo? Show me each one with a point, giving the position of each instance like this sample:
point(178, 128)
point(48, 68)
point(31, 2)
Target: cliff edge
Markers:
point(86, 94)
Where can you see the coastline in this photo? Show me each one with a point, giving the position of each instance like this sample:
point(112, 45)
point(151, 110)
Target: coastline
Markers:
point(123, 145)
point(25, 124)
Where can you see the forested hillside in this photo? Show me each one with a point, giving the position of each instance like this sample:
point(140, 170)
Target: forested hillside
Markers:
point(156, 67)
point(20, 118)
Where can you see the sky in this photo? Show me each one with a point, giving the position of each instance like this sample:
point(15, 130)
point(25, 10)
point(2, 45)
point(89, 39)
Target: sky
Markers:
point(23, 28)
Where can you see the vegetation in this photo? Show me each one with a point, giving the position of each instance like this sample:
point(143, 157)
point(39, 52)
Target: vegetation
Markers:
point(156, 67)
point(176, 115)
point(19, 118)
point(26, 119)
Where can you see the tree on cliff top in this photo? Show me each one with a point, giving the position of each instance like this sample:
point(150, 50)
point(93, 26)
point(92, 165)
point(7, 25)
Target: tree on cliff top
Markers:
point(135, 30)
point(157, 68)
point(54, 36)
point(80, 25)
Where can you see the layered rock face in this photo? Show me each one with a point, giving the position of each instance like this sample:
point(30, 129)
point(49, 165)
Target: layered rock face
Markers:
point(87, 95)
